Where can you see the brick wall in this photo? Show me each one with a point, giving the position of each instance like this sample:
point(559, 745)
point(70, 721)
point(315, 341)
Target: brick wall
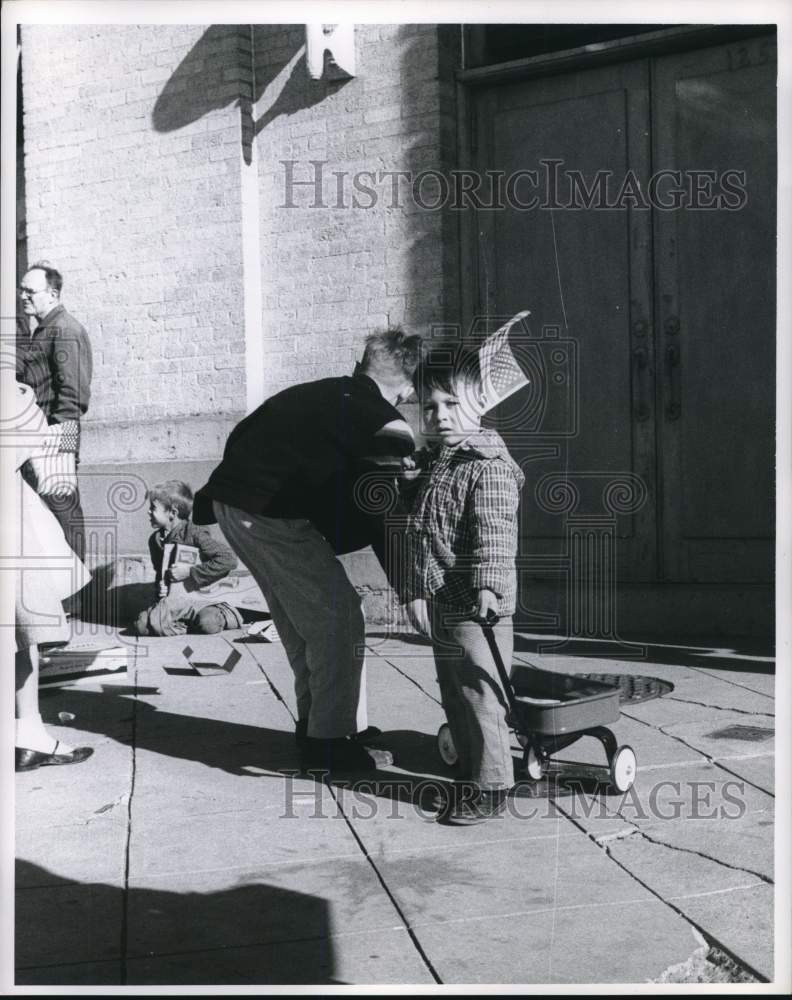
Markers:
point(331, 270)
point(132, 162)
point(138, 143)
point(134, 152)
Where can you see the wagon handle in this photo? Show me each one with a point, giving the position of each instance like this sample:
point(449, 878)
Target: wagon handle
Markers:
point(487, 626)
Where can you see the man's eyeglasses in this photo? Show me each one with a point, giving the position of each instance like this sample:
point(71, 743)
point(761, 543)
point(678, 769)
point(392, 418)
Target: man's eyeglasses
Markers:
point(24, 290)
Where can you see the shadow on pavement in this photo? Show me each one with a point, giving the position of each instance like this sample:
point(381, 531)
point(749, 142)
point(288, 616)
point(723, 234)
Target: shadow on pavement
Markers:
point(254, 934)
point(747, 655)
point(242, 750)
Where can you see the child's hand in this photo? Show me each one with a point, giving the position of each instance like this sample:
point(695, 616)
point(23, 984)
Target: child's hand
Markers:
point(178, 572)
point(409, 469)
point(418, 615)
point(486, 602)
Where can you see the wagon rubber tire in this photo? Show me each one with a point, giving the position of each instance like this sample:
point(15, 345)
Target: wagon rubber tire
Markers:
point(534, 765)
point(623, 768)
point(445, 745)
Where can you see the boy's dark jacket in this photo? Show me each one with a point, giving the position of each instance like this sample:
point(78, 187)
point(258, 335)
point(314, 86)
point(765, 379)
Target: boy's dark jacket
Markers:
point(217, 559)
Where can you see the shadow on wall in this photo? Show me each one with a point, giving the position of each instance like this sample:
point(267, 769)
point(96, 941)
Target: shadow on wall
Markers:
point(244, 936)
point(217, 72)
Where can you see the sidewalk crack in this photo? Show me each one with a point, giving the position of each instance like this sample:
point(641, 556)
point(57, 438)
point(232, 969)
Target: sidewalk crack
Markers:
point(273, 688)
point(705, 935)
point(125, 900)
point(708, 758)
point(728, 680)
point(411, 680)
point(658, 842)
point(720, 708)
point(380, 878)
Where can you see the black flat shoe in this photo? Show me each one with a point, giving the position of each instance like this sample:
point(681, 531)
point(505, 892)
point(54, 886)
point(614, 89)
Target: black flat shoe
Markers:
point(363, 737)
point(29, 760)
point(341, 755)
point(367, 735)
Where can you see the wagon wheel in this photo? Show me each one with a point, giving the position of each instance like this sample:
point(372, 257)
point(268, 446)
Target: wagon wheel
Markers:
point(534, 763)
point(445, 744)
point(623, 767)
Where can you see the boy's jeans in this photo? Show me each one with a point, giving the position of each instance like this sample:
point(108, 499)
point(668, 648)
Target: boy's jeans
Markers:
point(472, 696)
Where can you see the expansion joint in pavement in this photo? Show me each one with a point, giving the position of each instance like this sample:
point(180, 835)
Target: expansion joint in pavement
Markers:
point(412, 680)
point(394, 902)
point(274, 688)
point(719, 763)
point(728, 680)
point(712, 941)
point(715, 761)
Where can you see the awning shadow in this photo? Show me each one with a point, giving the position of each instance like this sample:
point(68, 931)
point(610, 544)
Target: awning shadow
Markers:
point(218, 71)
point(252, 934)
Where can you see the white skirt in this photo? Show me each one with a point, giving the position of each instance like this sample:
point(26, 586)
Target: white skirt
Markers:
point(49, 572)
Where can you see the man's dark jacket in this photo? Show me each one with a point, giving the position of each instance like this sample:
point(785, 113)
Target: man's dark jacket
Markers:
point(310, 451)
point(57, 363)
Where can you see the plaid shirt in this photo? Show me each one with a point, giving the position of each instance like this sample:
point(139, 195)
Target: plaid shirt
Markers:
point(462, 529)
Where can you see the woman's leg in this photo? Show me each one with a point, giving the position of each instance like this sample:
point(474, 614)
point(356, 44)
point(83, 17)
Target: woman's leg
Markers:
point(30, 731)
point(34, 746)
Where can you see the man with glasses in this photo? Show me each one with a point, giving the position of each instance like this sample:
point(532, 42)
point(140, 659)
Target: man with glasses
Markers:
point(57, 364)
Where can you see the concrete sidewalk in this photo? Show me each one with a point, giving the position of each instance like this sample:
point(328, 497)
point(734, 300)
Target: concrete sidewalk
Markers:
point(188, 850)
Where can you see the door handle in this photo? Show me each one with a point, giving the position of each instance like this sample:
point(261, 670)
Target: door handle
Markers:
point(640, 369)
point(673, 389)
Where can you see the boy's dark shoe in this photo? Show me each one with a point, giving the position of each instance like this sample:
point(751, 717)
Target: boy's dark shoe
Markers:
point(367, 735)
point(341, 755)
point(432, 798)
point(465, 809)
point(364, 737)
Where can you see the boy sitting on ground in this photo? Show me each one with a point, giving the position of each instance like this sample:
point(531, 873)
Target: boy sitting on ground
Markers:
point(461, 547)
point(179, 608)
